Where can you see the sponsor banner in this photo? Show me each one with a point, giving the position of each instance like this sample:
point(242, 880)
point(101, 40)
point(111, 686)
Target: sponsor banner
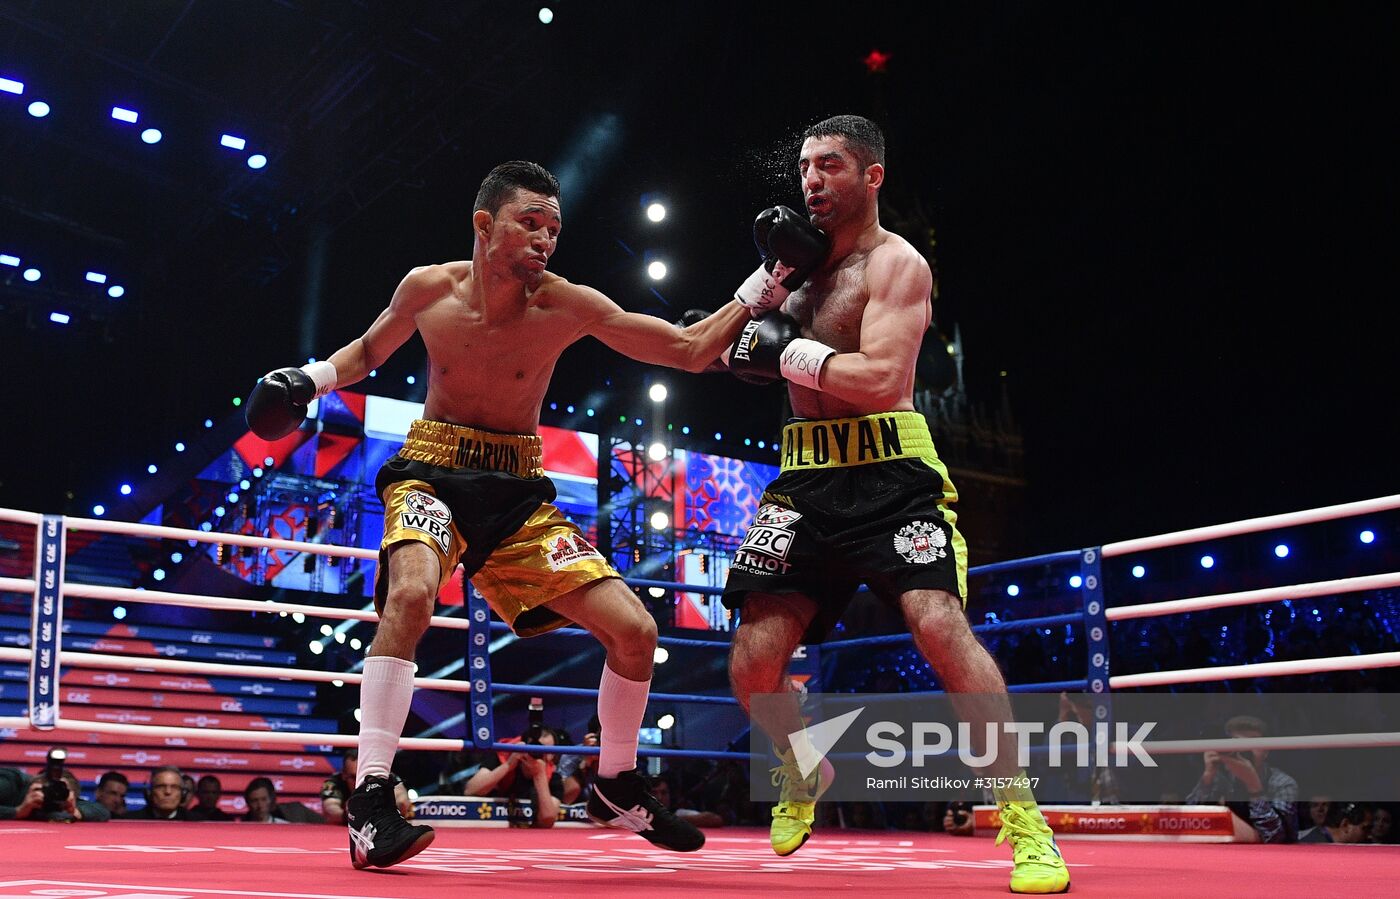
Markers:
point(1085, 748)
point(1207, 823)
point(45, 637)
point(489, 811)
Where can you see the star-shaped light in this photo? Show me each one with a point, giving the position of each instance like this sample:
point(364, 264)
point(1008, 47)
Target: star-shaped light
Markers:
point(875, 61)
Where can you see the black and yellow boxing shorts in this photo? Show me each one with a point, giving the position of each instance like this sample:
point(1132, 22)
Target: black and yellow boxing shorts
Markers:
point(481, 498)
point(858, 500)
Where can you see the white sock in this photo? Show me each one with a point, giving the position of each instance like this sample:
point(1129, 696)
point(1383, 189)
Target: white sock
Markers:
point(621, 705)
point(385, 695)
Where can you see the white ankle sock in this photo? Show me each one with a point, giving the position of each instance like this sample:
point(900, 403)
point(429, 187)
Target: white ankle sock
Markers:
point(621, 705)
point(385, 696)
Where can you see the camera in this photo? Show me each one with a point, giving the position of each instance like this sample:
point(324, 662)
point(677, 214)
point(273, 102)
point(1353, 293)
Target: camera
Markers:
point(536, 721)
point(56, 792)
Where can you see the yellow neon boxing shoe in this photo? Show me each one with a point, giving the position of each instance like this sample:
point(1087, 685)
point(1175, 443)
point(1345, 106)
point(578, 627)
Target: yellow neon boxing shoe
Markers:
point(797, 802)
point(1038, 866)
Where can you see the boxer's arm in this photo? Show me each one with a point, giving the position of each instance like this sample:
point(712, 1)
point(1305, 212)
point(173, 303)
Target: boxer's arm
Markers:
point(391, 329)
point(647, 338)
point(898, 313)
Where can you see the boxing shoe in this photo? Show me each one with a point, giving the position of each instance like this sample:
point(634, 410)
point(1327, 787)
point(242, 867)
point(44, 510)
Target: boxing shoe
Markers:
point(379, 836)
point(1038, 866)
point(625, 802)
point(797, 802)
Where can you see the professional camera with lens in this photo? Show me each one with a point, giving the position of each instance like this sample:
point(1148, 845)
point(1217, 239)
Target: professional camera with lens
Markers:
point(56, 790)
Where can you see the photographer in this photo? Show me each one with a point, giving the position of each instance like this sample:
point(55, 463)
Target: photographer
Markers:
point(1262, 798)
point(44, 798)
point(520, 775)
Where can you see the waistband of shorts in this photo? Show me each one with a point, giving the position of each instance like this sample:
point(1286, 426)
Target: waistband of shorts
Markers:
point(849, 442)
point(458, 446)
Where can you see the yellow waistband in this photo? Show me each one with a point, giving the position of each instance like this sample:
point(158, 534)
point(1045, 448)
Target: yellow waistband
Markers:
point(847, 442)
point(458, 446)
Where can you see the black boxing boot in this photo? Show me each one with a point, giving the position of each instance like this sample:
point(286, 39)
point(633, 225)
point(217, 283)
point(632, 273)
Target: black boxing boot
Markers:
point(379, 836)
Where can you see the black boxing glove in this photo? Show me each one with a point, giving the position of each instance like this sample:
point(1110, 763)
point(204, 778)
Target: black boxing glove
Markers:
point(792, 249)
point(277, 405)
point(772, 347)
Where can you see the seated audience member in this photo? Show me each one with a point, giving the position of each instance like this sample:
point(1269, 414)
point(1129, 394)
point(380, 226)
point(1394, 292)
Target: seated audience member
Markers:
point(1262, 798)
point(957, 819)
point(1347, 822)
point(661, 789)
point(338, 787)
point(111, 792)
point(165, 797)
point(263, 807)
point(1383, 825)
point(209, 790)
point(521, 775)
point(577, 771)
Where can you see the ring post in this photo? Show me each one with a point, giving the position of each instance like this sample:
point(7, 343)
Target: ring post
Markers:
point(479, 670)
point(46, 627)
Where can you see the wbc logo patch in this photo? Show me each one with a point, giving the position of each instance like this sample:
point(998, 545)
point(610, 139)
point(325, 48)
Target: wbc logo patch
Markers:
point(429, 514)
point(921, 542)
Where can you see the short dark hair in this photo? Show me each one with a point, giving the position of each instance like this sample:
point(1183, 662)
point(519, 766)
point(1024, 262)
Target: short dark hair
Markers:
point(111, 776)
point(508, 177)
point(863, 136)
point(209, 778)
point(1246, 722)
point(260, 783)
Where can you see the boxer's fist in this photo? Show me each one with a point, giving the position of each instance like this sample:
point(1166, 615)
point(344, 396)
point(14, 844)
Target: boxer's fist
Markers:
point(694, 317)
point(773, 347)
point(792, 249)
point(277, 405)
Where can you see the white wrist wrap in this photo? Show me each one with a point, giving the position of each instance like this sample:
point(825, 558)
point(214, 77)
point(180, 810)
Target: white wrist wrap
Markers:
point(762, 291)
point(802, 362)
point(323, 375)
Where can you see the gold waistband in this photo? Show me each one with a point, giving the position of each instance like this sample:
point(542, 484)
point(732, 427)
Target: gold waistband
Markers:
point(847, 442)
point(458, 446)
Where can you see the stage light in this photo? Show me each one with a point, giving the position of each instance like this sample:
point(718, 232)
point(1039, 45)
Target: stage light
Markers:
point(232, 142)
point(411, 379)
point(126, 490)
point(340, 636)
point(233, 497)
point(660, 655)
point(96, 277)
point(657, 393)
point(666, 721)
point(374, 373)
point(179, 447)
point(298, 618)
point(657, 451)
point(206, 527)
point(7, 259)
point(685, 430)
point(569, 409)
point(316, 649)
point(638, 422)
point(257, 472)
point(1076, 581)
point(158, 574)
point(656, 212)
point(546, 15)
point(257, 161)
point(656, 270)
point(99, 510)
point(1139, 571)
point(151, 469)
point(660, 521)
point(1281, 550)
point(267, 461)
point(38, 109)
point(355, 643)
point(656, 592)
point(1013, 590)
point(357, 716)
point(32, 274)
point(59, 318)
point(762, 445)
point(219, 511)
point(1207, 561)
point(209, 422)
point(116, 291)
point(589, 413)
point(119, 612)
point(1367, 537)
point(553, 407)
point(10, 86)
point(337, 683)
point(748, 441)
point(125, 115)
point(718, 436)
point(151, 135)
point(176, 558)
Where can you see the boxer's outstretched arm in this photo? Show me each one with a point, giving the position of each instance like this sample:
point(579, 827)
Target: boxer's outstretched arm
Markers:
point(881, 372)
point(393, 326)
point(647, 338)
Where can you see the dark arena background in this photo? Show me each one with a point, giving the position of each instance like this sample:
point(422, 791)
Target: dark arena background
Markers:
point(1161, 373)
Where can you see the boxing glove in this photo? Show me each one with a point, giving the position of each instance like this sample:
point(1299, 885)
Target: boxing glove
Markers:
point(277, 405)
point(772, 347)
point(792, 248)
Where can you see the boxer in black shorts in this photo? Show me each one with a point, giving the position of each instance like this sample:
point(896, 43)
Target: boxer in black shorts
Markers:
point(862, 496)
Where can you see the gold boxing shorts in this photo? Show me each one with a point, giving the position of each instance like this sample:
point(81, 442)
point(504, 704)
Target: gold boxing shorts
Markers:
point(481, 498)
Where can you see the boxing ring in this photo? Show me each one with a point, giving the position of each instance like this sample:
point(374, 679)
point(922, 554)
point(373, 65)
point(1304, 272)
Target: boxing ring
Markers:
point(160, 858)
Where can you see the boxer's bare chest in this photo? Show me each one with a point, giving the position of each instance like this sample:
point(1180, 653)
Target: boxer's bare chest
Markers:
point(830, 306)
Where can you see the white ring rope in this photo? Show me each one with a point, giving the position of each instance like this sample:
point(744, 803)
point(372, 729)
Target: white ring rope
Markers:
point(1250, 526)
point(1252, 597)
point(138, 529)
point(1257, 669)
point(1243, 744)
point(300, 738)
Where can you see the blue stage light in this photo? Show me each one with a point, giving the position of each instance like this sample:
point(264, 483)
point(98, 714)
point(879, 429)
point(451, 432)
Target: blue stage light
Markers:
point(546, 15)
point(411, 379)
point(32, 274)
point(116, 291)
point(219, 511)
point(119, 612)
point(126, 490)
point(1368, 537)
point(257, 161)
point(589, 413)
point(748, 441)
point(1281, 550)
point(1139, 571)
point(125, 115)
point(151, 469)
point(553, 407)
point(151, 135)
point(569, 409)
point(59, 318)
point(1076, 581)
point(1207, 561)
point(245, 484)
point(206, 526)
point(762, 445)
point(374, 373)
point(179, 447)
point(1013, 590)
point(638, 421)
point(233, 497)
point(99, 509)
point(718, 435)
point(10, 86)
point(232, 142)
point(38, 109)
point(208, 423)
point(158, 574)
point(7, 259)
point(685, 430)
point(176, 558)
point(96, 277)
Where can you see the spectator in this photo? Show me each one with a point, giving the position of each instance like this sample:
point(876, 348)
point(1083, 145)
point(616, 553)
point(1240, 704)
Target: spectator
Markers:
point(77, 808)
point(111, 793)
point(263, 807)
point(209, 791)
point(958, 820)
point(1317, 811)
point(13, 786)
point(165, 797)
point(191, 797)
point(1347, 822)
point(1262, 798)
point(661, 789)
point(1383, 825)
point(520, 775)
point(338, 787)
point(577, 772)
